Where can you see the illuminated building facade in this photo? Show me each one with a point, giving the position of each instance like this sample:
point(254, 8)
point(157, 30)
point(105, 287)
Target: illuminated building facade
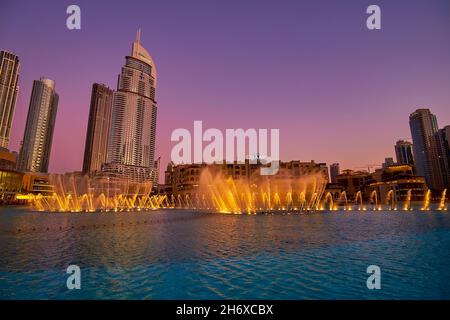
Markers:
point(9, 75)
point(131, 148)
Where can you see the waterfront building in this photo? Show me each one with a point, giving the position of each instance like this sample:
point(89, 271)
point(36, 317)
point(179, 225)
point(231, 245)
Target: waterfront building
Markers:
point(424, 128)
point(400, 180)
point(353, 181)
point(96, 146)
point(185, 178)
point(8, 160)
point(10, 185)
point(37, 139)
point(131, 145)
point(334, 172)
point(404, 152)
point(9, 75)
point(37, 183)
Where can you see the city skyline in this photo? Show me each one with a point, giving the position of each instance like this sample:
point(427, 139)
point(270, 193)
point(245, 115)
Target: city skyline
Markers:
point(339, 130)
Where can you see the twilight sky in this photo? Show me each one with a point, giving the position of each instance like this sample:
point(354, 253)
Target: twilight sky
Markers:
point(337, 91)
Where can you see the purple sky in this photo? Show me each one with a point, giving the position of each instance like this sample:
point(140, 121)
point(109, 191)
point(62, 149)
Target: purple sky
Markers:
point(337, 91)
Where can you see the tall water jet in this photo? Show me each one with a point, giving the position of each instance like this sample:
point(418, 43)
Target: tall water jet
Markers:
point(426, 200)
point(374, 199)
point(390, 200)
point(329, 200)
point(343, 198)
point(358, 196)
point(408, 200)
point(443, 198)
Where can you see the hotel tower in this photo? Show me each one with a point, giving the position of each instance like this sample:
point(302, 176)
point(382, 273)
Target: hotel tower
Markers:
point(37, 139)
point(131, 148)
point(9, 74)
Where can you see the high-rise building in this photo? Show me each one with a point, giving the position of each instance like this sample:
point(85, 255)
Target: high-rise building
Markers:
point(9, 74)
point(131, 148)
point(424, 128)
point(334, 172)
point(443, 145)
point(404, 152)
point(96, 147)
point(37, 139)
point(445, 134)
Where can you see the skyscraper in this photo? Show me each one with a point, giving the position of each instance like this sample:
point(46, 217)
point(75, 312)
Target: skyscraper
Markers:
point(37, 139)
point(9, 74)
point(424, 127)
point(404, 152)
point(443, 145)
point(131, 149)
point(334, 172)
point(96, 147)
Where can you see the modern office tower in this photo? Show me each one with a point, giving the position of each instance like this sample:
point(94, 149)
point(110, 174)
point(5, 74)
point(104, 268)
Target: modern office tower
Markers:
point(131, 148)
point(37, 139)
point(96, 146)
point(9, 74)
point(404, 152)
point(424, 127)
point(334, 172)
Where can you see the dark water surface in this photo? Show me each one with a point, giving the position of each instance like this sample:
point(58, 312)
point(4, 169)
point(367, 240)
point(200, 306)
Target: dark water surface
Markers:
point(171, 254)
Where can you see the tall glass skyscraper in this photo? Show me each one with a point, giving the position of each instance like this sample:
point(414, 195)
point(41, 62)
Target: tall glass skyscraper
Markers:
point(131, 149)
point(37, 139)
point(95, 149)
point(9, 75)
point(424, 127)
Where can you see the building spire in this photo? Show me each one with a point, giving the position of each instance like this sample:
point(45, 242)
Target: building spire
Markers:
point(138, 36)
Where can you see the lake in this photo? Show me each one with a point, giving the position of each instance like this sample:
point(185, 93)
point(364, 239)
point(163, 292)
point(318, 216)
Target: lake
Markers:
point(178, 254)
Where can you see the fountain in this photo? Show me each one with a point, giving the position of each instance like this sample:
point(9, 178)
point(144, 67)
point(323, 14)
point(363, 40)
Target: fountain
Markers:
point(408, 200)
point(374, 199)
point(214, 192)
point(442, 201)
point(77, 193)
point(390, 199)
point(343, 198)
point(261, 193)
point(329, 200)
point(359, 196)
point(426, 201)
